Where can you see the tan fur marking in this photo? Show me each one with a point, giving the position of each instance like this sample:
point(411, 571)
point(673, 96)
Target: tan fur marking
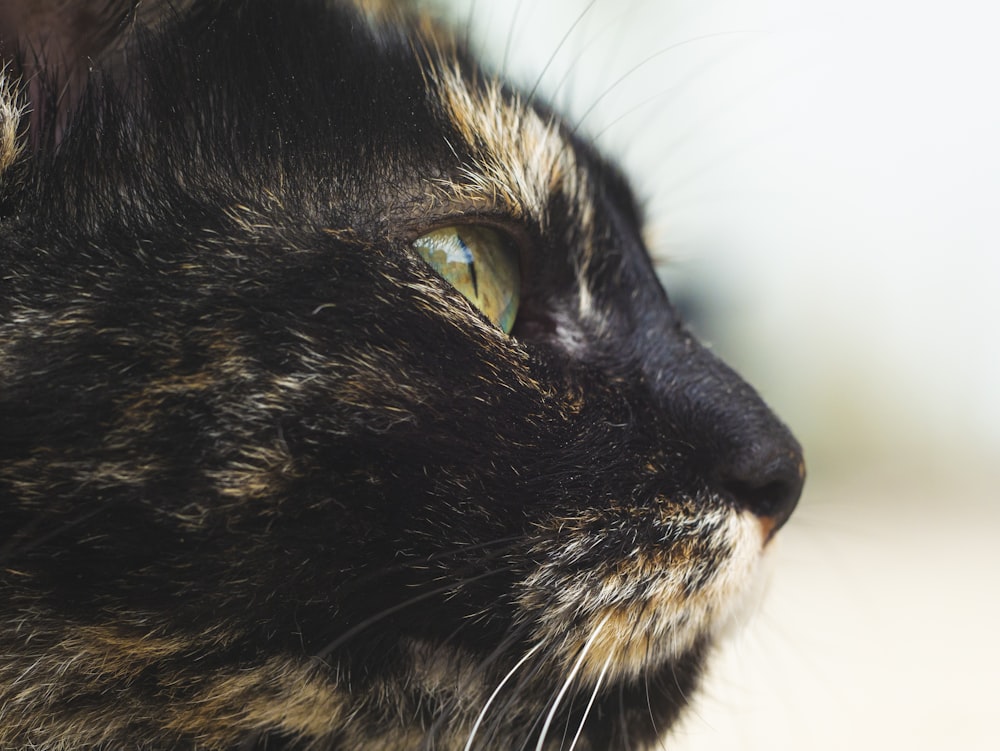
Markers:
point(258, 473)
point(520, 159)
point(80, 661)
point(119, 654)
point(447, 671)
point(10, 116)
point(281, 693)
point(651, 614)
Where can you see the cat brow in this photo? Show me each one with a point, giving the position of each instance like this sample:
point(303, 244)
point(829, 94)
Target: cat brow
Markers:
point(519, 159)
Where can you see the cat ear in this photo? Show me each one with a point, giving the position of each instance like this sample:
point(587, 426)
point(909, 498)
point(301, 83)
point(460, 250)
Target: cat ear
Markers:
point(50, 47)
point(11, 108)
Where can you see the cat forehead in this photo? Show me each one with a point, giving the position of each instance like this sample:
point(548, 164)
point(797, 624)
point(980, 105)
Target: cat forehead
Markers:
point(514, 154)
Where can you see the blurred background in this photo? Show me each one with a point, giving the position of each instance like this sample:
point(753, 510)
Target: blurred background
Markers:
point(822, 182)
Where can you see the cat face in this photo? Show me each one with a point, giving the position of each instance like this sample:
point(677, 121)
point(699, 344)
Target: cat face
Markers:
point(340, 406)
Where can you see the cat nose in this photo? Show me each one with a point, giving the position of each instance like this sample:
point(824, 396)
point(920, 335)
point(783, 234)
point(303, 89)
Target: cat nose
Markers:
point(764, 476)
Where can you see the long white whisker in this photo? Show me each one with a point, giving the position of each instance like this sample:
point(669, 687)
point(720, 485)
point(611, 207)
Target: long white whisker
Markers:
point(496, 691)
point(649, 704)
point(468, 23)
point(510, 39)
point(555, 53)
point(593, 696)
point(646, 61)
point(569, 680)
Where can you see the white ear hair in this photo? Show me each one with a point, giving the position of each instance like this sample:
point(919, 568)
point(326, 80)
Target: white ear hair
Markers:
point(11, 109)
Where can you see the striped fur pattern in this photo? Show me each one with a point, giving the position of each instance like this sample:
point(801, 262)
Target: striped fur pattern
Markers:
point(266, 479)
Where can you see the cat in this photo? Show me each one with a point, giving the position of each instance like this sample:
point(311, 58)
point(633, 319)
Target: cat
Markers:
point(340, 405)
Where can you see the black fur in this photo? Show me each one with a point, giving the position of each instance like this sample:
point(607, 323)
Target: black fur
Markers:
point(247, 434)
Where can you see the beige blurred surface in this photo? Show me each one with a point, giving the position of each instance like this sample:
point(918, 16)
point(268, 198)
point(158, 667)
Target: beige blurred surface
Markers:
point(881, 628)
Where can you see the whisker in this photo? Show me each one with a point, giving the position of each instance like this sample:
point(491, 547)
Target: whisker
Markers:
point(661, 99)
point(496, 691)
point(567, 79)
point(359, 627)
point(646, 61)
point(469, 20)
point(420, 562)
point(569, 680)
point(645, 678)
point(21, 541)
point(633, 109)
point(512, 637)
point(593, 697)
point(622, 718)
point(555, 53)
point(685, 699)
point(670, 148)
point(649, 703)
point(510, 38)
point(524, 679)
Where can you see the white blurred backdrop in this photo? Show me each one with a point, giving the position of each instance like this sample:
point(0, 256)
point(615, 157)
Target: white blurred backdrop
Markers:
point(823, 178)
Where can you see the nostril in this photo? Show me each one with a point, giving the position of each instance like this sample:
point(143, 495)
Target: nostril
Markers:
point(769, 488)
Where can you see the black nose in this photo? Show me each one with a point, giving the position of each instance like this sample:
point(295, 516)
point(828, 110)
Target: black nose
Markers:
point(763, 473)
point(733, 444)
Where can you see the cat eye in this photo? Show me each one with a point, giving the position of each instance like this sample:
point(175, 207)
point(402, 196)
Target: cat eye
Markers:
point(481, 264)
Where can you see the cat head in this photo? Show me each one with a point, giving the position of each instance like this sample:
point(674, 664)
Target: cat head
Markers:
point(341, 406)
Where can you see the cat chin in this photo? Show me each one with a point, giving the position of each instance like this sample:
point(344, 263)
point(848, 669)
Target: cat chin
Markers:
point(654, 607)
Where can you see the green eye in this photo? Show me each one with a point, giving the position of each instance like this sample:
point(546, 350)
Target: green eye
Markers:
point(480, 264)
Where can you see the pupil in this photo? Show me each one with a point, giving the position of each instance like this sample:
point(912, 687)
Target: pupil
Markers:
point(472, 264)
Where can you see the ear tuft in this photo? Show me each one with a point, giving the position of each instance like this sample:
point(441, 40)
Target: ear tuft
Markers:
point(11, 109)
